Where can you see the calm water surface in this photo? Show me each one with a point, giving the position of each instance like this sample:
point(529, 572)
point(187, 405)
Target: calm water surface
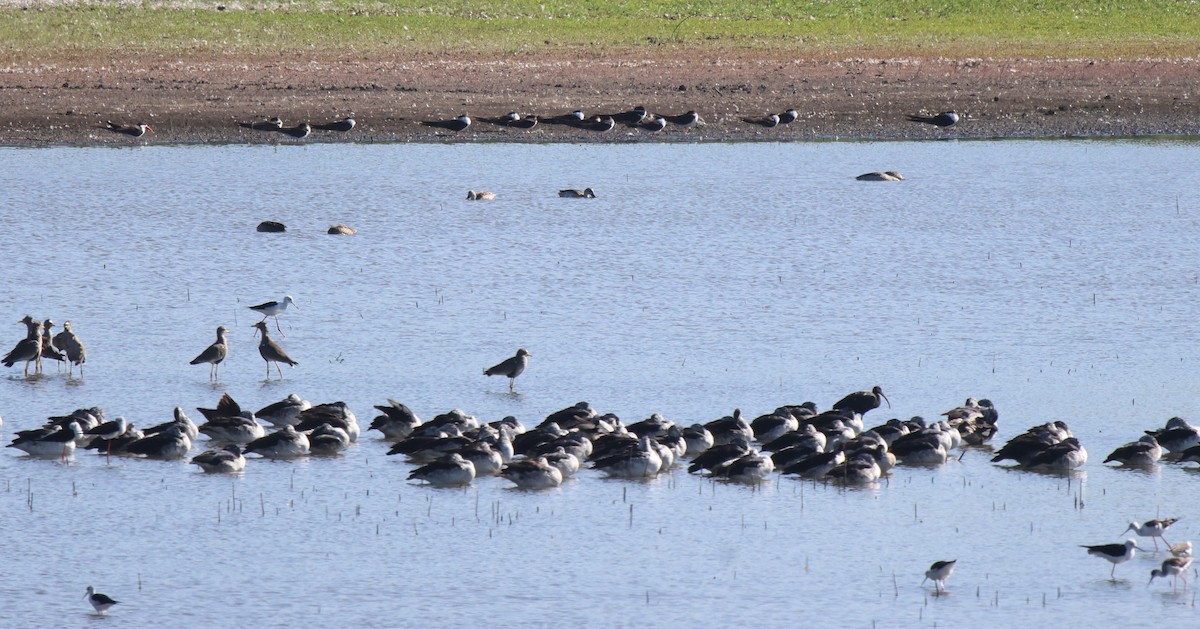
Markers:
point(1058, 279)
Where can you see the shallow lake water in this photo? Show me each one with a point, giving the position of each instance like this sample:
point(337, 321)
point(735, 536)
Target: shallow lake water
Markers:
point(1057, 278)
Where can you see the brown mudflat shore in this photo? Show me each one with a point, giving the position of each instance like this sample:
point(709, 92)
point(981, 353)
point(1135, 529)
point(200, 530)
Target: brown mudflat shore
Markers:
point(201, 99)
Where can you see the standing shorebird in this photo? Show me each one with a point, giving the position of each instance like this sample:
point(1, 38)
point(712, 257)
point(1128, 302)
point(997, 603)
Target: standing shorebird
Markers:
point(48, 349)
point(271, 351)
point(100, 602)
point(1114, 554)
point(1153, 529)
point(214, 354)
point(28, 350)
point(455, 124)
point(938, 573)
point(862, 401)
point(68, 343)
point(510, 368)
point(1173, 567)
point(274, 309)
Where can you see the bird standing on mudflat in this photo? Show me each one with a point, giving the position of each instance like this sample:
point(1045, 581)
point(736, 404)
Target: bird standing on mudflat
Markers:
point(510, 368)
point(343, 125)
point(271, 351)
point(133, 131)
point(455, 124)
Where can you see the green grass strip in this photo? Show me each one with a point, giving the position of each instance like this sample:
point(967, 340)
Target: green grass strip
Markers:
point(965, 27)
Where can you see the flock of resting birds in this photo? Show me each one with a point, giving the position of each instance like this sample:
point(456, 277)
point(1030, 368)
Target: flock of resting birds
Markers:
point(454, 448)
point(636, 118)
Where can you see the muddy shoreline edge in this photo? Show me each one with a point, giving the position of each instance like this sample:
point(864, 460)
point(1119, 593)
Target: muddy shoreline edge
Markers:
point(201, 99)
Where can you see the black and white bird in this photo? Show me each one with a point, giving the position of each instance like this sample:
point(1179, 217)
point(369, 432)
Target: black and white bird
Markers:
point(789, 116)
point(1153, 529)
point(133, 131)
point(228, 460)
point(299, 131)
point(597, 124)
point(449, 471)
point(287, 443)
point(285, 412)
point(274, 123)
point(169, 444)
point(944, 119)
point(574, 193)
point(1143, 452)
point(343, 125)
point(274, 309)
point(1177, 436)
point(535, 473)
point(938, 573)
point(397, 421)
point(213, 354)
point(100, 602)
point(1114, 554)
point(887, 175)
point(685, 120)
point(510, 368)
point(572, 119)
point(653, 124)
point(632, 117)
point(454, 124)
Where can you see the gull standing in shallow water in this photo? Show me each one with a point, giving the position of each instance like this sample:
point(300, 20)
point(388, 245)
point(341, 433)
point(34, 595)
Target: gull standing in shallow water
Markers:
point(510, 368)
point(100, 602)
point(271, 351)
point(274, 309)
point(213, 354)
